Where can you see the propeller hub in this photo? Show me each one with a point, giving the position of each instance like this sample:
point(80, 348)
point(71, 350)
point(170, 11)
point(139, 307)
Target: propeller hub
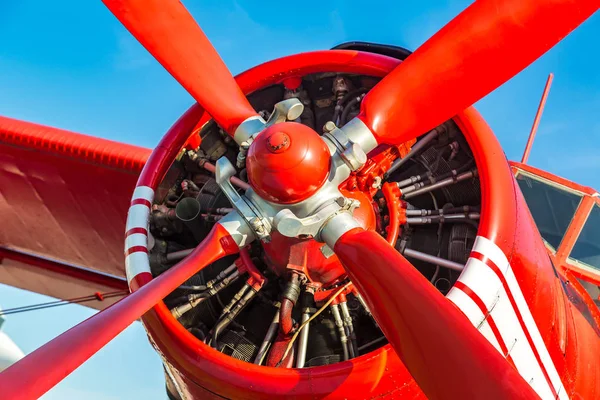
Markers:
point(278, 142)
point(287, 163)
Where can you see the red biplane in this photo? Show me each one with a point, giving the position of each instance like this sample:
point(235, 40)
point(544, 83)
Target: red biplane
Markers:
point(333, 224)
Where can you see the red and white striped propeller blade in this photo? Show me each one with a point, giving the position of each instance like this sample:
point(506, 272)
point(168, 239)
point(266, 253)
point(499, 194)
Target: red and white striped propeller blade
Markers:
point(439, 346)
point(42, 369)
point(479, 50)
point(167, 30)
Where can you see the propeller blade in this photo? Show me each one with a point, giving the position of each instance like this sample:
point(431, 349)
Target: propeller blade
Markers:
point(445, 354)
point(167, 30)
point(42, 369)
point(483, 47)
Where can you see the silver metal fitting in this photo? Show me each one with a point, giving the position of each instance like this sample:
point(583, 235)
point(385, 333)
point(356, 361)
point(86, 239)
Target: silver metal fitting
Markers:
point(288, 224)
point(336, 226)
point(354, 156)
point(357, 132)
point(241, 157)
point(251, 214)
point(286, 110)
point(248, 129)
point(351, 153)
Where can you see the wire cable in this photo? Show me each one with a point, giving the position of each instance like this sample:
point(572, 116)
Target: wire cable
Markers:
point(76, 300)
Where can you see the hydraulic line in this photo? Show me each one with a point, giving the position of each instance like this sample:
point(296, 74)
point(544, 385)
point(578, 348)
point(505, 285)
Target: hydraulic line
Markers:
point(194, 299)
point(228, 316)
point(271, 333)
point(222, 275)
point(407, 194)
point(340, 325)
point(315, 315)
point(353, 346)
point(348, 108)
point(442, 262)
point(288, 301)
point(392, 194)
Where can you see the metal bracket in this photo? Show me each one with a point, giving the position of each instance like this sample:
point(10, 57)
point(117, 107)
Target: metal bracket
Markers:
point(351, 153)
point(286, 110)
point(261, 226)
point(288, 224)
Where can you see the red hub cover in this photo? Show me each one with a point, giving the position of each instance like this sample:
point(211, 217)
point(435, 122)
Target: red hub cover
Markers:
point(287, 163)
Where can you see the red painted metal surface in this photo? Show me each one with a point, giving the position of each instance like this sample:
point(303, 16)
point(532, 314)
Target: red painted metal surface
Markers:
point(170, 34)
point(74, 271)
point(460, 363)
point(64, 197)
point(35, 374)
point(392, 194)
point(536, 121)
point(287, 163)
point(380, 160)
point(568, 341)
point(202, 369)
point(468, 59)
point(284, 254)
point(511, 227)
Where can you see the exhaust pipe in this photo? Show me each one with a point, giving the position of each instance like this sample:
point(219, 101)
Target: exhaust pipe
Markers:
point(188, 212)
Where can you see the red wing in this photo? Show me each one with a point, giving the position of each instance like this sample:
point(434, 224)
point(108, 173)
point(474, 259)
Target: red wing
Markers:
point(63, 201)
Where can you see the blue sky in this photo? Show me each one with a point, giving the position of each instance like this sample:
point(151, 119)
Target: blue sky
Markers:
point(70, 64)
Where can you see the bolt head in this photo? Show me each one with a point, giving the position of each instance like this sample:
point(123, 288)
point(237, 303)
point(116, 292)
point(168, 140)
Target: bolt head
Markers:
point(329, 127)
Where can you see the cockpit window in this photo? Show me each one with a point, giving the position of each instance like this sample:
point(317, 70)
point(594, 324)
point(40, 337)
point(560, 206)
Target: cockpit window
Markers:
point(587, 246)
point(552, 207)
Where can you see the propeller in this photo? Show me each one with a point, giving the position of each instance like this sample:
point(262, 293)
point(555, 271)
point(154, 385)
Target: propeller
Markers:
point(168, 31)
point(487, 44)
point(446, 356)
point(40, 370)
point(483, 47)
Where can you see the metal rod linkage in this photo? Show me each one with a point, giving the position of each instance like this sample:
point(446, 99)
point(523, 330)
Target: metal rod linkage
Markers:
point(442, 211)
point(442, 262)
point(340, 325)
point(442, 218)
point(410, 181)
point(407, 194)
point(415, 149)
point(349, 329)
point(271, 332)
point(303, 340)
point(234, 180)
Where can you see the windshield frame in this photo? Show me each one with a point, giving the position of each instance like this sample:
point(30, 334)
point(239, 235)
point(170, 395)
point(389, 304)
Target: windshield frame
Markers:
point(594, 201)
point(571, 228)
